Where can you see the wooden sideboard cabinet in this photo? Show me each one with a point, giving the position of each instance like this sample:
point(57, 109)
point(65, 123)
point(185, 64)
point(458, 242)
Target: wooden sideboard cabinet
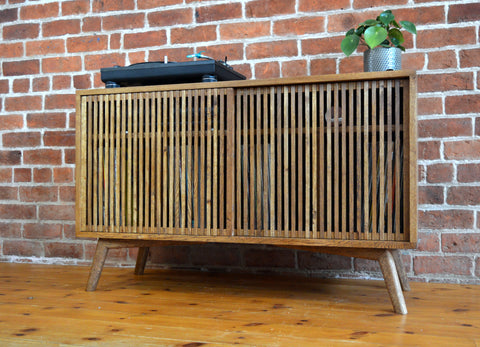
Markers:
point(319, 163)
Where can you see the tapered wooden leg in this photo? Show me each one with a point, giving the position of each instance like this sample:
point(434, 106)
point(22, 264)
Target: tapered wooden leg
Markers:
point(141, 260)
point(390, 275)
point(97, 265)
point(402, 274)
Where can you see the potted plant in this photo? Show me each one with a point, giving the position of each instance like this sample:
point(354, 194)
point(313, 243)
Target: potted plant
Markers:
point(384, 40)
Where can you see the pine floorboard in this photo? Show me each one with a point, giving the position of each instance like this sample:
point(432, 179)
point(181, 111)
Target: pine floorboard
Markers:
point(47, 305)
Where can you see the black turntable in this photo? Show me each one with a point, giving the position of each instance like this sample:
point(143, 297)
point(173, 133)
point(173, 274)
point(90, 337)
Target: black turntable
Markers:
point(152, 73)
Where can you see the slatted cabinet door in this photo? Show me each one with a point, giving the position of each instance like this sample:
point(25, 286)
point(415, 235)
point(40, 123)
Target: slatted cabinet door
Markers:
point(326, 161)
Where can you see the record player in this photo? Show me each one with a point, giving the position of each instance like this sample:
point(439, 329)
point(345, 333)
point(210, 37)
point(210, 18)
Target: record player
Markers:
point(153, 73)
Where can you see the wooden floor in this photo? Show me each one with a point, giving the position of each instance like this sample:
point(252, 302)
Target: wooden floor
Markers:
point(47, 305)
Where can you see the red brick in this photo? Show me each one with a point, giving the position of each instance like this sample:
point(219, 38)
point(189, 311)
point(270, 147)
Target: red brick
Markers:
point(457, 104)
point(368, 3)
point(82, 82)
point(69, 156)
point(56, 212)
point(61, 27)
point(271, 49)
point(21, 139)
point(461, 13)
point(4, 88)
point(442, 60)
point(124, 21)
point(351, 64)
point(234, 51)
point(137, 57)
point(449, 265)
point(427, 106)
point(421, 15)
point(21, 85)
point(145, 39)
point(445, 219)
point(61, 82)
point(112, 5)
point(43, 156)
point(69, 232)
point(116, 42)
point(321, 45)
point(42, 175)
point(11, 50)
point(443, 82)
point(366, 265)
point(39, 11)
point(45, 47)
point(221, 12)
point(461, 243)
point(64, 250)
point(468, 173)
point(41, 231)
point(23, 103)
point(320, 261)
point(267, 70)
point(62, 175)
point(62, 64)
point(323, 66)
point(38, 194)
point(21, 31)
point(23, 248)
point(322, 5)
point(40, 84)
point(46, 120)
point(22, 67)
point(91, 24)
point(469, 57)
point(8, 193)
point(10, 122)
point(148, 4)
point(343, 22)
point(431, 195)
point(439, 173)
point(67, 194)
point(59, 101)
point(193, 35)
point(413, 61)
point(11, 230)
point(6, 176)
point(15, 211)
point(96, 61)
point(75, 7)
point(8, 15)
point(22, 175)
point(299, 26)
point(170, 17)
point(463, 196)
point(269, 8)
point(87, 43)
point(445, 127)
point(294, 68)
point(462, 149)
point(446, 37)
point(233, 31)
point(428, 242)
point(269, 258)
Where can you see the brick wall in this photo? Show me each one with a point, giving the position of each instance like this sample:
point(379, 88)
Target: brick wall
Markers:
point(48, 49)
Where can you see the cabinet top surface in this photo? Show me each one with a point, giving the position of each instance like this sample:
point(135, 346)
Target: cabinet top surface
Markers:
point(348, 77)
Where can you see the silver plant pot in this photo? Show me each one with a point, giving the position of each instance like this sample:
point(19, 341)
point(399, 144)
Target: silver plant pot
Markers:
point(382, 59)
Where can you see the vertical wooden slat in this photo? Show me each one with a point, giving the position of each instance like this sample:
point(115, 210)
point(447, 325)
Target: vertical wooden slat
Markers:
point(315, 156)
point(221, 165)
point(84, 139)
point(239, 170)
point(257, 129)
point(109, 138)
point(230, 135)
point(158, 162)
point(373, 177)
point(208, 196)
point(196, 154)
point(129, 169)
point(328, 168)
point(246, 166)
point(101, 148)
point(279, 164)
point(202, 178)
point(215, 163)
point(177, 160)
point(321, 164)
point(351, 152)
point(359, 161)
point(183, 155)
point(165, 171)
point(171, 163)
point(118, 160)
point(252, 166)
point(293, 132)
point(190, 170)
point(151, 159)
point(389, 158)
point(286, 168)
point(308, 177)
point(141, 161)
point(266, 170)
point(366, 203)
point(336, 163)
point(381, 176)
point(397, 172)
point(146, 200)
point(298, 183)
point(272, 185)
point(344, 183)
point(88, 133)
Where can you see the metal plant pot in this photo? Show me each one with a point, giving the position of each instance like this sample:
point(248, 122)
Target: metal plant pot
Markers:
point(382, 59)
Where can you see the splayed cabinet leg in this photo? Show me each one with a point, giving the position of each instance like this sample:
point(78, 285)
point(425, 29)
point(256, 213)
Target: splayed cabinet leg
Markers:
point(390, 275)
point(97, 265)
point(141, 260)
point(402, 274)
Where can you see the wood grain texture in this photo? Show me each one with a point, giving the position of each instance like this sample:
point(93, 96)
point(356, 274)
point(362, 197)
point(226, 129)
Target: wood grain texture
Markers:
point(47, 305)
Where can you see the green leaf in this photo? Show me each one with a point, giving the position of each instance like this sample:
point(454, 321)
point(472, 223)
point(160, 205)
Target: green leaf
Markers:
point(375, 36)
point(349, 44)
point(350, 32)
point(409, 26)
point(402, 48)
point(396, 37)
point(386, 17)
point(370, 22)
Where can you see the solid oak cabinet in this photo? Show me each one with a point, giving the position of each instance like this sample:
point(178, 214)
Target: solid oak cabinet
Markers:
point(320, 163)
